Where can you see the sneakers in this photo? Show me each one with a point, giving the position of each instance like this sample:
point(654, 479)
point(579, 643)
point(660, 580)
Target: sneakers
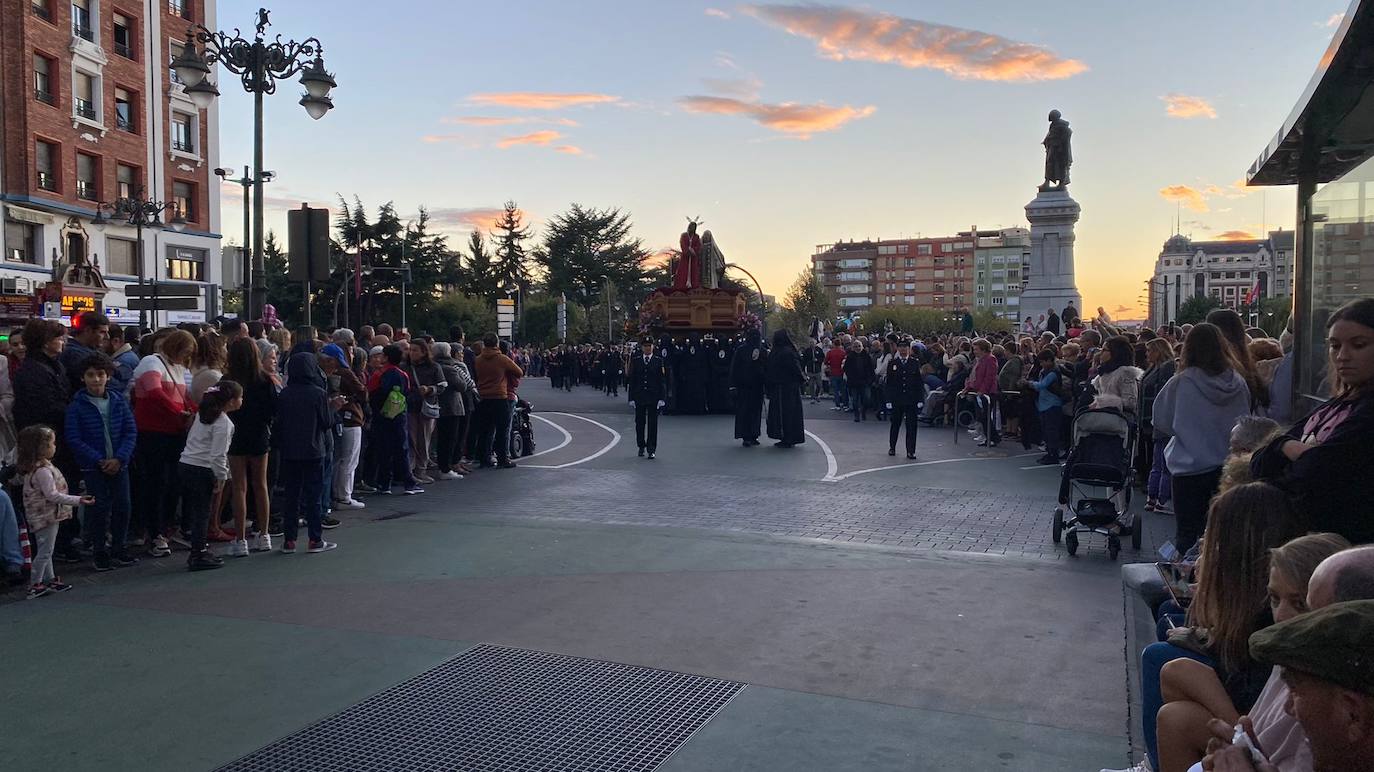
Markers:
point(275, 528)
point(423, 479)
point(181, 541)
point(450, 475)
point(238, 548)
point(288, 548)
point(159, 548)
point(1164, 509)
point(1151, 505)
point(37, 591)
point(263, 543)
point(412, 490)
point(122, 560)
point(350, 504)
point(511, 464)
point(57, 585)
point(102, 563)
point(70, 556)
point(328, 522)
point(321, 546)
point(363, 488)
point(1143, 766)
point(203, 561)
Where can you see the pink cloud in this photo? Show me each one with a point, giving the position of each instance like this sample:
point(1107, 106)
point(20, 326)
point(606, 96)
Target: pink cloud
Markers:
point(541, 100)
point(797, 120)
point(1188, 196)
point(569, 149)
point(854, 33)
point(541, 138)
point(466, 219)
point(1236, 236)
point(717, 13)
point(1184, 106)
point(485, 120)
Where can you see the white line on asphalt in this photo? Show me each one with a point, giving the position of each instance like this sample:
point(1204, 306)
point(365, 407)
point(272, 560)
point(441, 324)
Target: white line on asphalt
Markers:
point(856, 473)
point(567, 437)
point(1044, 466)
point(615, 440)
point(831, 464)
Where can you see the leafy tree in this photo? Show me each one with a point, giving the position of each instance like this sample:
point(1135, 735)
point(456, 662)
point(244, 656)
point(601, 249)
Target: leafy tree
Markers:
point(477, 316)
point(1196, 308)
point(481, 274)
point(511, 269)
point(808, 298)
point(539, 324)
point(1274, 314)
point(285, 295)
point(582, 245)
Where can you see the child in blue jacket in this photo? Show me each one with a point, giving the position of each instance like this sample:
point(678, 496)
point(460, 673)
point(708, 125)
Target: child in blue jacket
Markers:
point(100, 432)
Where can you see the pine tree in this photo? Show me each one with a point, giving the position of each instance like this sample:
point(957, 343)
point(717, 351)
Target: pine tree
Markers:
point(285, 295)
point(481, 275)
point(510, 269)
point(581, 246)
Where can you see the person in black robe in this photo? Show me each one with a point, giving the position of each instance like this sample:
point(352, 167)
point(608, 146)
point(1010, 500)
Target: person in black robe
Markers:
point(784, 380)
point(692, 380)
point(747, 385)
point(718, 383)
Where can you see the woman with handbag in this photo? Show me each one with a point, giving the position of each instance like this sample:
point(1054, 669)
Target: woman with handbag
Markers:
point(162, 413)
point(427, 377)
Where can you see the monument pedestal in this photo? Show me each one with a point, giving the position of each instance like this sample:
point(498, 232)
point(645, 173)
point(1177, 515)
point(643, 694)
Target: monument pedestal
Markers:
point(1052, 216)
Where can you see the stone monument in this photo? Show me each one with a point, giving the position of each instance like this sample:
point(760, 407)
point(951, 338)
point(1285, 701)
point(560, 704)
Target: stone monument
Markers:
point(1052, 216)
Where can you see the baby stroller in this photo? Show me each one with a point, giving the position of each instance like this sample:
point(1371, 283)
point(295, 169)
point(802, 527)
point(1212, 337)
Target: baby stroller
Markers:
point(521, 430)
point(1103, 446)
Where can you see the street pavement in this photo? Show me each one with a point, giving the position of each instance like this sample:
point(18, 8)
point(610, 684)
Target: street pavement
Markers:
point(882, 614)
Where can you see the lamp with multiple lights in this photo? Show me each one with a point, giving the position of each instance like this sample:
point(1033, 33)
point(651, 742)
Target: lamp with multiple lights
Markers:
point(141, 213)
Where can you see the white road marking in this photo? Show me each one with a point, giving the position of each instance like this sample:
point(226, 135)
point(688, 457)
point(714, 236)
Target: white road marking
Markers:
point(615, 440)
point(1044, 466)
point(567, 436)
point(847, 475)
point(832, 465)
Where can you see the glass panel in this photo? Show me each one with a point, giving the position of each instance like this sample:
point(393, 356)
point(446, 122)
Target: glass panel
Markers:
point(120, 259)
point(1342, 263)
point(124, 176)
point(21, 245)
point(81, 20)
point(86, 178)
point(124, 111)
point(184, 198)
point(181, 134)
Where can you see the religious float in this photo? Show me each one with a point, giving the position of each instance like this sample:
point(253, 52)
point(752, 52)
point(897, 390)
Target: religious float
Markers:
point(695, 304)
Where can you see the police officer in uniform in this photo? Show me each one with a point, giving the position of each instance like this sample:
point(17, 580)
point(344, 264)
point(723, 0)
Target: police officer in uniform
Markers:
point(647, 383)
point(905, 392)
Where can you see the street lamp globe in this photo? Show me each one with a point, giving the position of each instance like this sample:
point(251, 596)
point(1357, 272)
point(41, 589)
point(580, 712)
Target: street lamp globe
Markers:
point(203, 93)
point(315, 106)
point(177, 222)
point(189, 65)
point(316, 80)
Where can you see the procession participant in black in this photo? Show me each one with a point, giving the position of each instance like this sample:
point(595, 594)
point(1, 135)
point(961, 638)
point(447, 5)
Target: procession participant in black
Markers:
point(646, 383)
point(783, 377)
point(905, 392)
point(718, 378)
point(611, 366)
point(747, 385)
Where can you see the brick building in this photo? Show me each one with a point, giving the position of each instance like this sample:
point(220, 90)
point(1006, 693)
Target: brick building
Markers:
point(91, 113)
point(924, 272)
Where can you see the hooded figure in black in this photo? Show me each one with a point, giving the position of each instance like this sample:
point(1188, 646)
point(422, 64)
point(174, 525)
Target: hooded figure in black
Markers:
point(693, 376)
point(747, 385)
point(304, 419)
point(718, 367)
point(784, 379)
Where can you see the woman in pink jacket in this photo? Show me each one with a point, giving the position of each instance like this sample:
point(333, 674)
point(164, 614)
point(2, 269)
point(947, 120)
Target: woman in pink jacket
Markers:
point(983, 381)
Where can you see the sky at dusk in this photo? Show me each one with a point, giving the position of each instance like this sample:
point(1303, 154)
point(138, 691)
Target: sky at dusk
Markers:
point(788, 125)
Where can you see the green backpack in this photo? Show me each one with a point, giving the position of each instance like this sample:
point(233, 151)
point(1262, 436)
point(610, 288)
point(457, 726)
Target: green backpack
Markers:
point(395, 403)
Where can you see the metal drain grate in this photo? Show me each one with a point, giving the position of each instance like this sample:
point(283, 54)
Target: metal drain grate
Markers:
point(493, 707)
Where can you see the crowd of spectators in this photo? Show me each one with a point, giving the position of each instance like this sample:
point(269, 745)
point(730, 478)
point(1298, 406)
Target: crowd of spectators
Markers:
point(119, 445)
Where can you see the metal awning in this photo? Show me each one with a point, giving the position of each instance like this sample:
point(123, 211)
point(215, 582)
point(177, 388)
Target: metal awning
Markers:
point(1331, 129)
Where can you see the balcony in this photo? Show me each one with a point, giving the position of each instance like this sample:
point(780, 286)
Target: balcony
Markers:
point(123, 50)
point(180, 8)
point(85, 189)
point(83, 32)
point(46, 181)
point(183, 146)
point(45, 97)
point(41, 11)
point(84, 108)
point(125, 123)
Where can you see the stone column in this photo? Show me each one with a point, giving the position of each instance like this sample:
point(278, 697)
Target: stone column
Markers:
point(1051, 284)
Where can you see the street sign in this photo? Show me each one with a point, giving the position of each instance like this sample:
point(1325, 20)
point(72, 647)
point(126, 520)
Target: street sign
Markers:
point(163, 304)
point(16, 306)
point(562, 316)
point(163, 290)
point(505, 317)
point(307, 232)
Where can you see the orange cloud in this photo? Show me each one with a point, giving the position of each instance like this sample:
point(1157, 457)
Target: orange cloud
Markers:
point(1184, 106)
point(458, 219)
point(1236, 236)
point(541, 138)
point(541, 100)
point(853, 33)
point(800, 121)
point(717, 13)
point(1190, 197)
point(569, 149)
point(483, 120)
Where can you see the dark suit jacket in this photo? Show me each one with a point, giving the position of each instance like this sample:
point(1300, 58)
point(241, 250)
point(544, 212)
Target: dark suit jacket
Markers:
point(647, 383)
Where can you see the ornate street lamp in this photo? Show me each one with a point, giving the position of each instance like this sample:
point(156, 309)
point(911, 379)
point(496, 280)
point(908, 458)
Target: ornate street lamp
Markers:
point(259, 63)
point(139, 212)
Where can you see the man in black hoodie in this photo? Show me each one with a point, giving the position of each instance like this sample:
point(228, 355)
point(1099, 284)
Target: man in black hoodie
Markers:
point(304, 414)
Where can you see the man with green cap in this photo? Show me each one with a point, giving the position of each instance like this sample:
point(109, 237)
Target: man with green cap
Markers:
point(1327, 658)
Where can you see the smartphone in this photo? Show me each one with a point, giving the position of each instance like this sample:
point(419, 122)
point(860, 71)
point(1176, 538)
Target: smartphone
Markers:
point(1169, 552)
point(334, 382)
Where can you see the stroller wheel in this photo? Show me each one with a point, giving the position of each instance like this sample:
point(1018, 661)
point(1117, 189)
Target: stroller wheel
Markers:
point(1113, 547)
point(1058, 532)
point(1137, 525)
point(1071, 542)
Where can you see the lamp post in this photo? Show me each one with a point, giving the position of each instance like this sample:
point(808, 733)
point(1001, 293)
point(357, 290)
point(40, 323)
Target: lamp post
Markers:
point(259, 65)
point(607, 280)
point(139, 212)
point(247, 183)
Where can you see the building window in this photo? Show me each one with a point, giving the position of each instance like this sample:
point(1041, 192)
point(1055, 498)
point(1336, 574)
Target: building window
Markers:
point(41, 10)
point(123, 36)
point(175, 51)
point(119, 258)
point(922, 249)
point(184, 198)
point(83, 100)
point(180, 8)
point(182, 134)
point(81, 20)
point(42, 78)
point(185, 264)
point(45, 162)
point(887, 249)
point(124, 111)
point(903, 249)
point(21, 242)
point(87, 177)
point(998, 300)
point(126, 180)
